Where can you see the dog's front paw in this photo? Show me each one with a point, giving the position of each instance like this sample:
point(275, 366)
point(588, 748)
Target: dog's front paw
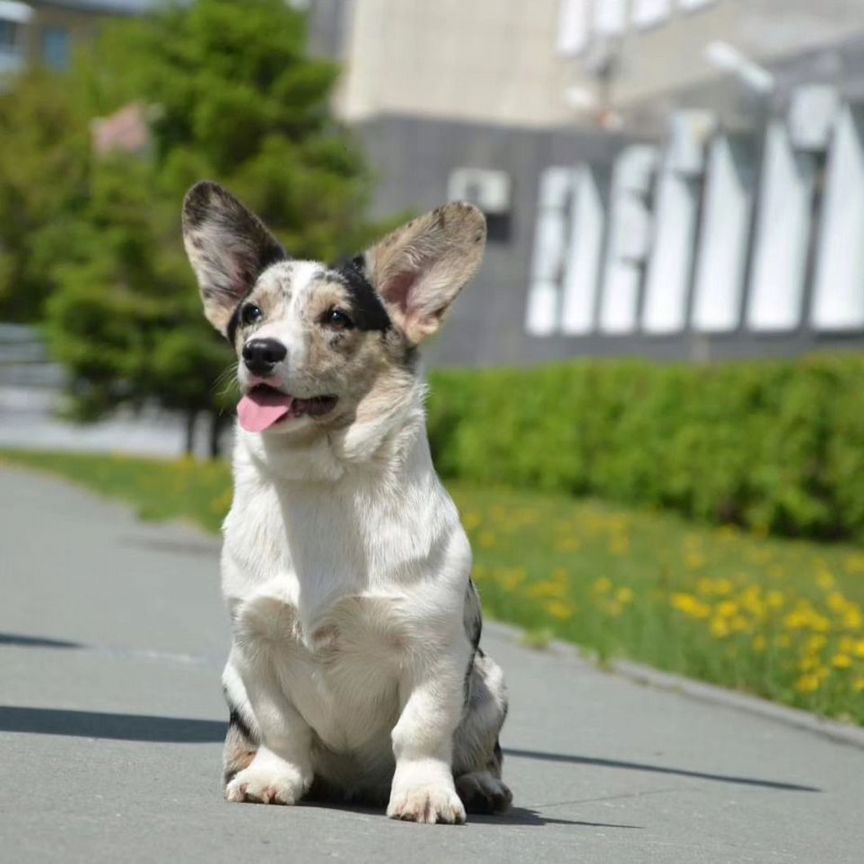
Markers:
point(268, 783)
point(432, 802)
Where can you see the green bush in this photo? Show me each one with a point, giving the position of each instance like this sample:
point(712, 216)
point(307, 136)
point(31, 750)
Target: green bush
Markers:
point(773, 445)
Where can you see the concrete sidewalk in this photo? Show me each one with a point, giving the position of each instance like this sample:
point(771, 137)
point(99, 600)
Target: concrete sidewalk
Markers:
point(111, 641)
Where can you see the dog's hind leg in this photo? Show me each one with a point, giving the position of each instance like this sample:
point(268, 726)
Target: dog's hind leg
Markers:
point(477, 754)
point(242, 739)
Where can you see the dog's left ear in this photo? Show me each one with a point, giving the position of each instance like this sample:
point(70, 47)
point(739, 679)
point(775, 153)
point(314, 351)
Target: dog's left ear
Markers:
point(420, 268)
point(228, 247)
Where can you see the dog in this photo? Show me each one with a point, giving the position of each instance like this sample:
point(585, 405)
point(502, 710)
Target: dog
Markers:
point(355, 672)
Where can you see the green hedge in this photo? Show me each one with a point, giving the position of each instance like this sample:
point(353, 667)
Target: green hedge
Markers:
point(774, 445)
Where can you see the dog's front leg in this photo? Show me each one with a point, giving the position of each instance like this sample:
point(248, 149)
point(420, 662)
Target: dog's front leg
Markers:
point(281, 770)
point(433, 699)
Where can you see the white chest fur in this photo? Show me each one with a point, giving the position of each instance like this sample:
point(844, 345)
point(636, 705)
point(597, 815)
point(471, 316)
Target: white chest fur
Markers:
point(340, 579)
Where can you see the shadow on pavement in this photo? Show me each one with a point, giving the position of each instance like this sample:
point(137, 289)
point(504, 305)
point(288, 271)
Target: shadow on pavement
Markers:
point(142, 727)
point(657, 769)
point(523, 816)
point(37, 642)
point(117, 727)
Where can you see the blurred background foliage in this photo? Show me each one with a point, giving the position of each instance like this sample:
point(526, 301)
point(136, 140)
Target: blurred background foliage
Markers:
point(776, 446)
point(90, 236)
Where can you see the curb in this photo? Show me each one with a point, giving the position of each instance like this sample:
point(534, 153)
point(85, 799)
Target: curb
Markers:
point(711, 694)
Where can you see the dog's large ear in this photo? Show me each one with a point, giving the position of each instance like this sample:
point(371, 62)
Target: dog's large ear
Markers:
point(419, 268)
point(228, 247)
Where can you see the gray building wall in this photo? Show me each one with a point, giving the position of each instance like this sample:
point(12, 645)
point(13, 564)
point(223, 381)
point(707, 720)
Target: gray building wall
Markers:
point(413, 154)
point(413, 157)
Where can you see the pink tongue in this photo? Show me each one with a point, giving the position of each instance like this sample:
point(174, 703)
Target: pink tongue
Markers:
point(260, 409)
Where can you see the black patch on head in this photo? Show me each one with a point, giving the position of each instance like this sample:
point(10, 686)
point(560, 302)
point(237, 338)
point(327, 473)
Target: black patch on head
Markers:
point(233, 324)
point(368, 310)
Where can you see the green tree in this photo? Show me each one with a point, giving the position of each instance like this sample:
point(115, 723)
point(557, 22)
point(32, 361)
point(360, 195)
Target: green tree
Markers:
point(43, 173)
point(236, 99)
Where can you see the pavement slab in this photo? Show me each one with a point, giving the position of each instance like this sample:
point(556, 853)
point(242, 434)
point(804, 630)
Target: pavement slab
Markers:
point(112, 636)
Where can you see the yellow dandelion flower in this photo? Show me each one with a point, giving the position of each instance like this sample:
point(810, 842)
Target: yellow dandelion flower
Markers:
point(760, 643)
point(472, 521)
point(808, 684)
point(727, 609)
point(841, 661)
point(690, 605)
point(825, 580)
point(603, 585)
point(858, 650)
point(510, 580)
point(815, 644)
point(809, 663)
point(719, 628)
point(837, 603)
point(560, 610)
point(624, 595)
point(858, 685)
point(775, 599)
point(547, 589)
point(739, 624)
point(853, 618)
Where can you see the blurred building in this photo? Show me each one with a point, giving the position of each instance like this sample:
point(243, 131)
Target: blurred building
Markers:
point(46, 33)
point(669, 178)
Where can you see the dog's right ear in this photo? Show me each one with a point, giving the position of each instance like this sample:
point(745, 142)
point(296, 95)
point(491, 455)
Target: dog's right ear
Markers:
point(228, 247)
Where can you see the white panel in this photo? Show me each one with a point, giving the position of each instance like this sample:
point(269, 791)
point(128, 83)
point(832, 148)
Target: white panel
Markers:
point(812, 113)
point(573, 24)
point(628, 239)
point(646, 13)
point(584, 254)
point(838, 298)
point(782, 234)
point(610, 17)
point(689, 133)
point(668, 276)
point(550, 243)
point(722, 255)
point(541, 318)
point(20, 13)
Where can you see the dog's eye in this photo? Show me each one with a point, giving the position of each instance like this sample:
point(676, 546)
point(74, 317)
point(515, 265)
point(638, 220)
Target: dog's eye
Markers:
point(251, 314)
point(338, 320)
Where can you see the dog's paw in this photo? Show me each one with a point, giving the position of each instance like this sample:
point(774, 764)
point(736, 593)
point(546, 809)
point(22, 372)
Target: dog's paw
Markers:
point(266, 784)
point(483, 792)
point(426, 803)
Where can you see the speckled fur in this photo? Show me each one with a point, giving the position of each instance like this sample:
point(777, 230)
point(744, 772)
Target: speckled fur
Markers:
point(356, 670)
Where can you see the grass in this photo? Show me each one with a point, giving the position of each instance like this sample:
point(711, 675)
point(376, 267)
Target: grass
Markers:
point(779, 618)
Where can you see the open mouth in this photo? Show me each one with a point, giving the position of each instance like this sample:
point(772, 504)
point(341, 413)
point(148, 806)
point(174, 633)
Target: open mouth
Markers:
point(265, 406)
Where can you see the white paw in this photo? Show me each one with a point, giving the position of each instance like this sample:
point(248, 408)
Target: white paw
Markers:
point(426, 803)
point(266, 784)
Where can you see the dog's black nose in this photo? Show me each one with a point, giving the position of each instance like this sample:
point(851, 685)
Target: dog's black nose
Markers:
point(261, 355)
